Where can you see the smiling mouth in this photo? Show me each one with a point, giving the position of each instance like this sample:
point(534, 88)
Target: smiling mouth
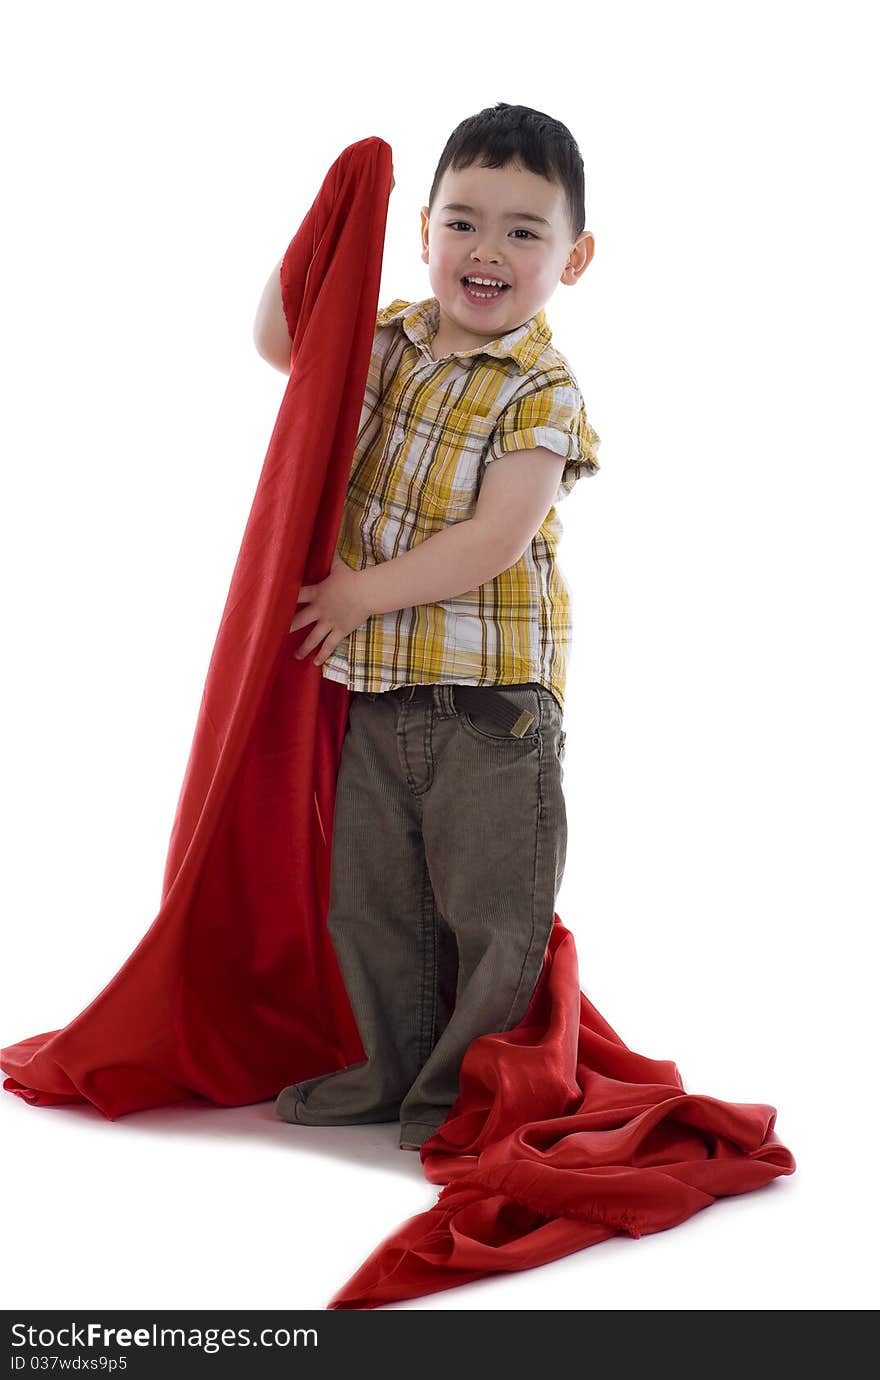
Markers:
point(486, 294)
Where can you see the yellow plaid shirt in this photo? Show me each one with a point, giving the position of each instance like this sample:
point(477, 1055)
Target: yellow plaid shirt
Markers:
point(427, 429)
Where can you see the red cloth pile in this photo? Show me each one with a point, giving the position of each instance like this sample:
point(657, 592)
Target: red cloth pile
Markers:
point(561, 1136)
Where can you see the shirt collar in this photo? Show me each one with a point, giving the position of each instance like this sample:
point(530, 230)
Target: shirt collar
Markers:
point(420, 321)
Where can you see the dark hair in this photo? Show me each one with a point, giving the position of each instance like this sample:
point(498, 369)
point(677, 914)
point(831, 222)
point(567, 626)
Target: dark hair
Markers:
point(503, 134)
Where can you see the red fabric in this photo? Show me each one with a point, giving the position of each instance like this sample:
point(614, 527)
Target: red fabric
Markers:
point(561, 1136)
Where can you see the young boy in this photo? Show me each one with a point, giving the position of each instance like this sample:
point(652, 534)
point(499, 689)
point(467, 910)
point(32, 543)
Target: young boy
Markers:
point(446, 616)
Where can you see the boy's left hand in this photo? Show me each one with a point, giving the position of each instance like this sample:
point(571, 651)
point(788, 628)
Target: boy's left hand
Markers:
point(335, 606)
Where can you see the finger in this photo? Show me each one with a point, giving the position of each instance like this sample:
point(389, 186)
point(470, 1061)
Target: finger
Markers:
point(310, 642)
point(306, 593)
point(302, 620)
point(333, 639)
point(326, 648)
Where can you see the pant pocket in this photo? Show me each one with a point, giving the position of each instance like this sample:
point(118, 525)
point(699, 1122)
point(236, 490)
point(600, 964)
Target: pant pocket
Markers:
point(480, 717)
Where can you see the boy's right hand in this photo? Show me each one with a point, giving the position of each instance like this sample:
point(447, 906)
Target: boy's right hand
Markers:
point(271, 335)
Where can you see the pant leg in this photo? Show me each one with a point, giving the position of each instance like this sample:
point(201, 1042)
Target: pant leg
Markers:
point(495, 832)
point(396, 956)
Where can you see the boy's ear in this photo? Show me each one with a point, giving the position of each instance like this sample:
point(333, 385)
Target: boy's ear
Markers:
point(581, 254)
point(424, 229)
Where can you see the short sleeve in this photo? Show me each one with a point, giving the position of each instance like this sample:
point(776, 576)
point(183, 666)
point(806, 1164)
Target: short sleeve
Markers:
point(552, 415)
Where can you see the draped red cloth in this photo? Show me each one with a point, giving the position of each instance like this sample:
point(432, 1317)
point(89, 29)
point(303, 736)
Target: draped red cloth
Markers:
point(561, 1136)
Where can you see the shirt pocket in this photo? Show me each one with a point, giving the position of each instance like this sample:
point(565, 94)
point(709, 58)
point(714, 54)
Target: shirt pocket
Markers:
point(439, 464)
point(468, 428)
point(442, 484)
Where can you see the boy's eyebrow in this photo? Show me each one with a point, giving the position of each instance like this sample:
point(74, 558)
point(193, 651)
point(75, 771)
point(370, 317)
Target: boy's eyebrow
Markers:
point(511, 215)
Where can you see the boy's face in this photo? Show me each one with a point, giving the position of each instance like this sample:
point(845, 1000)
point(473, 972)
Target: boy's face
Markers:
point(489, 241)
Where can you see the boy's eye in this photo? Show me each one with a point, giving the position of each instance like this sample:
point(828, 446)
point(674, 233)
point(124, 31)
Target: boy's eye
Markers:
point(518, 231)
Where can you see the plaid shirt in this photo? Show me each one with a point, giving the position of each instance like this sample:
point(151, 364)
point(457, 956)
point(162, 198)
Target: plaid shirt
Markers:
point(427, 429)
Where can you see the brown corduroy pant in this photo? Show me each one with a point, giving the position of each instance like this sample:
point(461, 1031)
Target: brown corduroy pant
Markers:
point(449, 842)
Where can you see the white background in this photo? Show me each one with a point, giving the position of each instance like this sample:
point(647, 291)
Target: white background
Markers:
point(722, 760)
